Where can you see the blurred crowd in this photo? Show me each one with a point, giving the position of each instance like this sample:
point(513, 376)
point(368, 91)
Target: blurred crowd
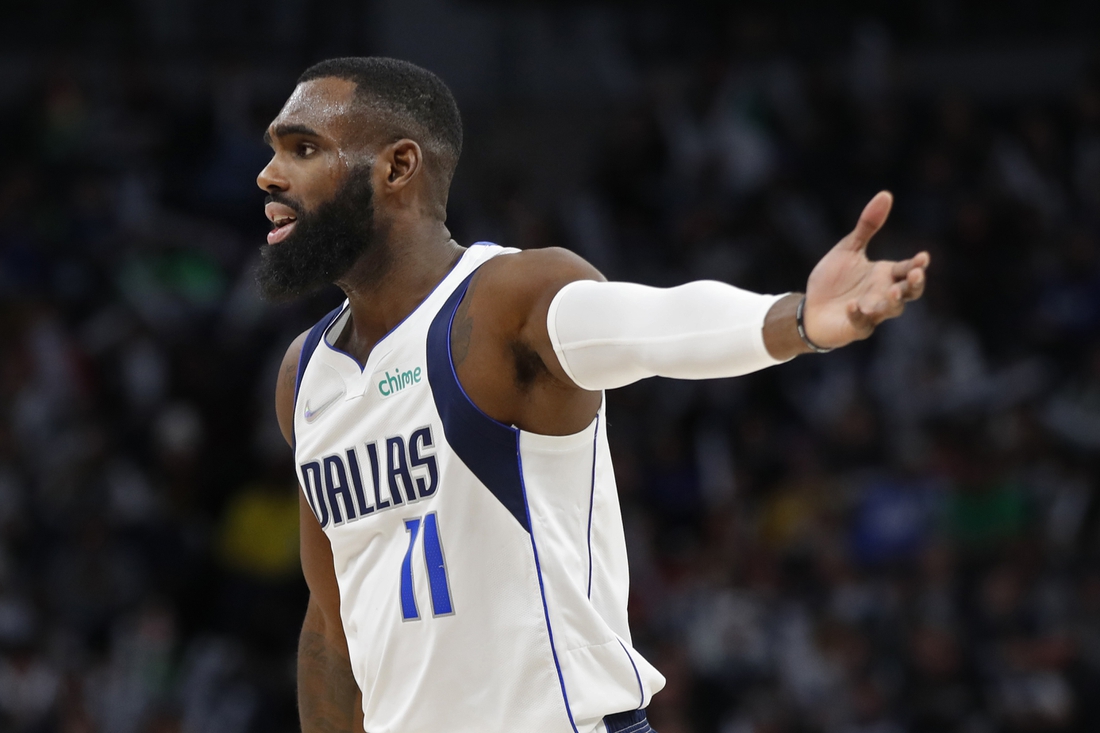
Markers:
point(899, 537)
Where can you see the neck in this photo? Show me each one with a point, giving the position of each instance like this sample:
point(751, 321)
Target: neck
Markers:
point(390, 281)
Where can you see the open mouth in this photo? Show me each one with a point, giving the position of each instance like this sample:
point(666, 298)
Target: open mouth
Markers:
point(280, 229)
point(282, 219)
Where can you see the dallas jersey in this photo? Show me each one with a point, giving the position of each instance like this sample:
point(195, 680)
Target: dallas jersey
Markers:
point(482, 569)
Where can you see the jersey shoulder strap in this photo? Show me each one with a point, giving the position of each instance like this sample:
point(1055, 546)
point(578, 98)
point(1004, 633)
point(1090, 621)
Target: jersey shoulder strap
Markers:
point(312, 341)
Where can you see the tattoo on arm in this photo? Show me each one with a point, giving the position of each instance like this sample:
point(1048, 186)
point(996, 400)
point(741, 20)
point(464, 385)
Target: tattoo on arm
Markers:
point(326, 687)
point(463, 325)
point(290, 369)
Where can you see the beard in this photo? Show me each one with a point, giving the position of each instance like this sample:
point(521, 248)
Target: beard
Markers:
point(325, 244)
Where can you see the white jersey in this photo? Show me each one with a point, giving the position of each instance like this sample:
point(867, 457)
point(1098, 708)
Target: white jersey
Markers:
point(482, 569)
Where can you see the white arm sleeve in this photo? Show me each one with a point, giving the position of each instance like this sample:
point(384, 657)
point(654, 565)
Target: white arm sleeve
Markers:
point(609, 334)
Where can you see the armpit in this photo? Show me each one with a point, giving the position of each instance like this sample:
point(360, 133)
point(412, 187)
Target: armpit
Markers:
point(528, 364)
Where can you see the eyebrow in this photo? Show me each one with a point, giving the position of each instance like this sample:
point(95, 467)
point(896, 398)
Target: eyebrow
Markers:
point(290, 129)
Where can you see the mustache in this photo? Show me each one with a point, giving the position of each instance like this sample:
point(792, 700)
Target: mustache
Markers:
point(278, 198)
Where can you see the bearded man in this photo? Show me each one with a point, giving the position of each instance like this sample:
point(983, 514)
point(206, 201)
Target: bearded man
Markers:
point(460, 530)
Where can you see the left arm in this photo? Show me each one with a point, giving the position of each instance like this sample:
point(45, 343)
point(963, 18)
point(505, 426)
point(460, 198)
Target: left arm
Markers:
point(606, 335)
point(563, 333)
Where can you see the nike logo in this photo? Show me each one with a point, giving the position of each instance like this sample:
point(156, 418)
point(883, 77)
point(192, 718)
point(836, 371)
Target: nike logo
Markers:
point(310, 414)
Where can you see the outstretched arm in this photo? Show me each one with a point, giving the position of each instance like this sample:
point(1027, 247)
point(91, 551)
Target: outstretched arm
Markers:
point(609, 334)
point(564, 333)
point(329, 701)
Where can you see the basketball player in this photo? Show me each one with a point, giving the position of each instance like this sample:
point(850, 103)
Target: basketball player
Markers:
point(460, 531)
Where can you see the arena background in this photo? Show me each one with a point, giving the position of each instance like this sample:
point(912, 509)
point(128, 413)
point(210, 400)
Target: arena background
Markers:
point(900, 537)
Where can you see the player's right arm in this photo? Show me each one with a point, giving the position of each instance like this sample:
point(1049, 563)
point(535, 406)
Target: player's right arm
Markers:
point(329, 701)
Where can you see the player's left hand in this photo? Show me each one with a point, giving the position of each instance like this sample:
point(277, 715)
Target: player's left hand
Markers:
point(847, 294)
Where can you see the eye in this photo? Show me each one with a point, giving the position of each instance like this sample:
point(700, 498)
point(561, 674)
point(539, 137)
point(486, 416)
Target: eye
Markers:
point(305, 150)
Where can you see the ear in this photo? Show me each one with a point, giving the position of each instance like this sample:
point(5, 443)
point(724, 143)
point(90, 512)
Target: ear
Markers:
point(401, 162)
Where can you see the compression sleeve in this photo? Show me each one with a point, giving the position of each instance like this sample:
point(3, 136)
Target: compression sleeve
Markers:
point(609, 334)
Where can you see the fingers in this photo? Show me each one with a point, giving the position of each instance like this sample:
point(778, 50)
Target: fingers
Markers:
point(870, 221)
point(871, 309)
point(909, 287)
point(862, 323)
point(887, 300)
point(912, 287)
point(901, 269)
point(910, 276)
point(889, 286)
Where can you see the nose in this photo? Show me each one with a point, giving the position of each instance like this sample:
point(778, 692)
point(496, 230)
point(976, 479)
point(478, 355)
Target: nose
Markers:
point(271, 178)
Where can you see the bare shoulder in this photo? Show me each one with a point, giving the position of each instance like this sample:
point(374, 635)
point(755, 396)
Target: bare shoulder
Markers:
point(524, 283)
point(531, 269)
point(284, 387)
point(500, 328)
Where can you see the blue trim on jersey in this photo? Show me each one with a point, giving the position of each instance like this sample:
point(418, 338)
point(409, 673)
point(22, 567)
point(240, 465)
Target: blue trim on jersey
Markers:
point(632, 721)
point(591, 501)
point(308, 347)
point(338, 350)
point(641, 690)
point(542, 588)
point(487, 447)
point(363, 366)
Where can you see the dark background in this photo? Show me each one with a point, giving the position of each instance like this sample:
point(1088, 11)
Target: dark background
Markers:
point(900, 537)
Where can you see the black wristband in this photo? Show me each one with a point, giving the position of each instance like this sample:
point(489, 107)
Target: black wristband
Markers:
point(802, 329)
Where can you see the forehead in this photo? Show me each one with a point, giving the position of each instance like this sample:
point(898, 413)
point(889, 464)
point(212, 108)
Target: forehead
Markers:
point(325, 105)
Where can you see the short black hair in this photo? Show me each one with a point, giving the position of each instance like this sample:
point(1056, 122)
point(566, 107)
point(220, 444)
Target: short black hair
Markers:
point(412, 101)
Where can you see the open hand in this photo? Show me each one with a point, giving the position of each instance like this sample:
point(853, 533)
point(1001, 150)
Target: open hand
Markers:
point(847, 294)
